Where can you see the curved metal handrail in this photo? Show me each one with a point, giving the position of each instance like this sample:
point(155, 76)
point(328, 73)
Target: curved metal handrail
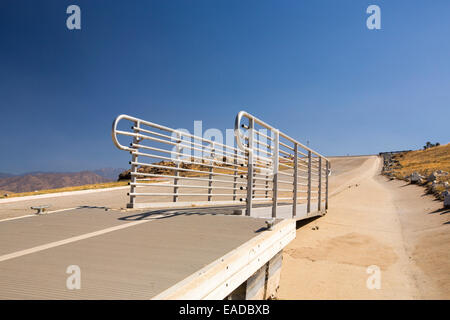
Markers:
point(239, 135)
point(114, 131)
point(315, 165)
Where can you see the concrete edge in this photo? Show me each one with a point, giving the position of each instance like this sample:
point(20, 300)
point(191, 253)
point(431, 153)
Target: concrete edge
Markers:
point(221, 277)
point(285, 211)
point(186, 204)
point(69, 193)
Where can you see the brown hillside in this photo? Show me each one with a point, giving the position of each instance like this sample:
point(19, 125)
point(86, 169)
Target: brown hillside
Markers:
point(424, 161)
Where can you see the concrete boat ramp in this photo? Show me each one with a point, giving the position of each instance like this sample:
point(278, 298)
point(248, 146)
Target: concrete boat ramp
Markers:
point(191, 253)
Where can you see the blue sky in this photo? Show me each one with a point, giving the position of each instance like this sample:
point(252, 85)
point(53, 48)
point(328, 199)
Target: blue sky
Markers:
point(311, 68)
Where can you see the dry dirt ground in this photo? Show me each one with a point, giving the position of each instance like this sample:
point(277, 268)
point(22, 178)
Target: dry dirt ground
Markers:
point(371, 221)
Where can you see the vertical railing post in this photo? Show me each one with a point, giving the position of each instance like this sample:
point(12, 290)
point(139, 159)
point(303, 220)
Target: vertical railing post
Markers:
point(266, 184)
point(134, 168)
point(251, 126)
point(294, 204)
point(275, 161)
point(213, 154)
point(178, 149)
point(308, 206)
point(266, 187)
point(327, 172)
point(256, 155)
point(319, 206)
point(235, 175)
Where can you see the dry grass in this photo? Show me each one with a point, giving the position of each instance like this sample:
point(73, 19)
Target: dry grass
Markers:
point(424, 162)
point(66, 189)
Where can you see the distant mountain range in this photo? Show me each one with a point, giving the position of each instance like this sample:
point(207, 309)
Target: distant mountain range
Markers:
point(50, 180)
point(109, 173)
point(5, 175)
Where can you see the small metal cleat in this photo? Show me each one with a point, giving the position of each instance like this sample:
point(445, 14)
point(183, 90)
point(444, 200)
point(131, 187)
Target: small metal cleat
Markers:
point(40, 209)
point(270, 223)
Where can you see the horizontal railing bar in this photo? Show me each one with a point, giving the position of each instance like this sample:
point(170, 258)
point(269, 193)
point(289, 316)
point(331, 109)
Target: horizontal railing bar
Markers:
point(185, 178)
point(188, 162)
point(154, 133)
point(183, 134)
point(183, 143)
point(286, 146)
point(260, 184)
point(262, 179)
point(286, 182)
point(257, 199)
point(285, 152)
point(265, 159)
point(263, 144)
point(269, 154)
point(182, 186)
point(286, 160)
point(180, 169)
point(263, 151)
point(263, 135)
point(182, 154)
point(258, 189)
point(304, 154)
point(180, 194)
point(259, 142)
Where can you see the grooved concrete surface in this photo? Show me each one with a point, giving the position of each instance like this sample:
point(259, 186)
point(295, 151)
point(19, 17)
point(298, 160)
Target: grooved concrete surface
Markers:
point(135, 262)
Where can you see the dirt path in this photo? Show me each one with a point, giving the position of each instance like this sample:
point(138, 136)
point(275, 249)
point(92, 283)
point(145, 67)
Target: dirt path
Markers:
point(371, 221)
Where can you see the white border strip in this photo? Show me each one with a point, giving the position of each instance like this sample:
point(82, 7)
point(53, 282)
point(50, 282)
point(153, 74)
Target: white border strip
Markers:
point(15, 218)
point(50, 245)
point(223, 276)
point(71, 193)
point(41, 214)
point(59, 194)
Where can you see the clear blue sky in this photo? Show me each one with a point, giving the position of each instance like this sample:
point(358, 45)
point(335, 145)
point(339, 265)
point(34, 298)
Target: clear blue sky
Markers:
point(296, 64)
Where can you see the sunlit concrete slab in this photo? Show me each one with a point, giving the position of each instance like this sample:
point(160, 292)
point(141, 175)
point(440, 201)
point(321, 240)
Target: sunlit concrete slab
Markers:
point(140, 257)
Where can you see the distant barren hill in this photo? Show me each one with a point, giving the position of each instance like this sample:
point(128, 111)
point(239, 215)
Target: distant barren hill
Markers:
point(109, 173)
point(40, 181)
point(5, 175)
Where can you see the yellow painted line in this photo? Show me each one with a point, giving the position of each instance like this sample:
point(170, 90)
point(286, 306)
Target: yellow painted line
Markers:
point(50, 245)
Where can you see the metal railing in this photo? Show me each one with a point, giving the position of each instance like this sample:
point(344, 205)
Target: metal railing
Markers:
point(194, 169)
point(293, 173)
point(267, 166)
